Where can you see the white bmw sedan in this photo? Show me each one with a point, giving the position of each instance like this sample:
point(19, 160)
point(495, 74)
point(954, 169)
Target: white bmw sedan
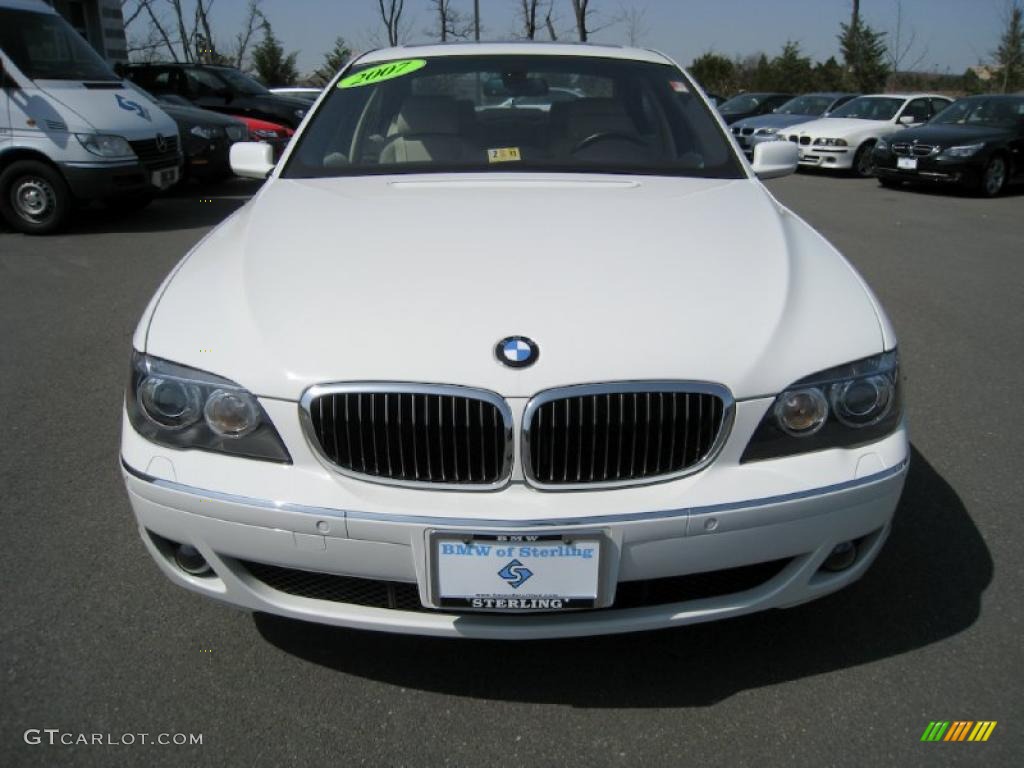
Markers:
point(844, 139)
point(519, 373)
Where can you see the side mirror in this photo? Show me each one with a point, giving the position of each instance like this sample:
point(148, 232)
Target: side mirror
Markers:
point(252, 159)
point(907, 120)
point(773, 159)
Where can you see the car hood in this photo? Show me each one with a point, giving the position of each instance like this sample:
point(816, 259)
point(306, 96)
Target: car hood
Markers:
point(195, 116)
point(418, 278)
point(774, 121)
point(844, 127)
point(107, 107)
point(949, 135)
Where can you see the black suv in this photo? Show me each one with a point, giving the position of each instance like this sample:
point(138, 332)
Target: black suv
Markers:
point(222, 89)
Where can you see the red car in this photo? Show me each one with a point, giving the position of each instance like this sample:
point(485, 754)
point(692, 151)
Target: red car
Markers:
point(273, 134)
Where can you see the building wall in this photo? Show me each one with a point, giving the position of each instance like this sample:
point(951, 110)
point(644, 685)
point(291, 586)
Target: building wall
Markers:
point(100, 22)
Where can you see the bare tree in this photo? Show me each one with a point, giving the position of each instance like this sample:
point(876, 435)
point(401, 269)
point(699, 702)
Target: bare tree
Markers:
point(585, 16)
point(158, 34)
point(549, 21)
point(254, 19)
point(635, 22)
point(581, 12)
point(528, 10)
point(451, 24)
point(901, 45)
point(391, 15)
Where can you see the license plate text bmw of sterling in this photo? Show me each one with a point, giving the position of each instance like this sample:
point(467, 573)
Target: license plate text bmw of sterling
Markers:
point(513, 343)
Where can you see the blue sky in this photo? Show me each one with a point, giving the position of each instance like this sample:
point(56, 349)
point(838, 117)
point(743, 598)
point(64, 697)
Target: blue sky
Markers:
point(956, 33)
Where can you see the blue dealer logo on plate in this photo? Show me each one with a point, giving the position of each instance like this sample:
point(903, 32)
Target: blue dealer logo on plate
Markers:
point(517, 352)
point(515, 573)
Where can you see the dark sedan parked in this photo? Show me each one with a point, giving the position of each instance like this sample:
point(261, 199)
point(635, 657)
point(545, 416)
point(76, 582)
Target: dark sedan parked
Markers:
point(751, 104)
point(206, 137)
point(977, 142)
point(221, 89)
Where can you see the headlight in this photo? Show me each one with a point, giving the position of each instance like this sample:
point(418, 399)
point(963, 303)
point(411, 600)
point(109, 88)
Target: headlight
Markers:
point(205, 131)
point(842, 407)
point(765, 132)
point(182, 407)
point(105, 146)
point(237, 132)
point(830, 142)
point(966, 150)
point(263, 133)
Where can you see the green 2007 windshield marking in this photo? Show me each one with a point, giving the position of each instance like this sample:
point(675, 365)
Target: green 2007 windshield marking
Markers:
point(383, 72)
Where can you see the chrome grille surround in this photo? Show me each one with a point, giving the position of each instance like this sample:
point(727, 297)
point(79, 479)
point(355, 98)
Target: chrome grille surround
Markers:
point(905, 149)
point(576, 392)
point(504, 452)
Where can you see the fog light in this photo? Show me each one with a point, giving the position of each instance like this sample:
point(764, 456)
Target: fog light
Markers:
point(190, 561)
point(841, 557)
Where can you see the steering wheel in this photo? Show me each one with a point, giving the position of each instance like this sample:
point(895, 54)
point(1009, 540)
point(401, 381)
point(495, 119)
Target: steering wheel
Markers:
point(608, 136)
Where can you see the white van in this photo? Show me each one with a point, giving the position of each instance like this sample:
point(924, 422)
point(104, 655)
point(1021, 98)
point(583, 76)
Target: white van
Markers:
point(69, 129)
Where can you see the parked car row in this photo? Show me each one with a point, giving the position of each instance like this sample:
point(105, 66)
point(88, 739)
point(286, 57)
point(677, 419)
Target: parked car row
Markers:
point(976, 142)
point(74, 131)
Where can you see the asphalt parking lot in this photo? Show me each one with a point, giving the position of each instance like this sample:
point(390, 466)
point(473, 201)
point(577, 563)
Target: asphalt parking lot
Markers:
point(95, 640)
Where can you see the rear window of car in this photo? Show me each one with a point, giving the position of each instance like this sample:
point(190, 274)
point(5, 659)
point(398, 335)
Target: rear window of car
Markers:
point(513, 113)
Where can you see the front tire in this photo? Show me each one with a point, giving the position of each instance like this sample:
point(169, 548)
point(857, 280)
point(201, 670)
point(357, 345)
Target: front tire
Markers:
point(993, 178)
point(34, 198)
point(863, 164)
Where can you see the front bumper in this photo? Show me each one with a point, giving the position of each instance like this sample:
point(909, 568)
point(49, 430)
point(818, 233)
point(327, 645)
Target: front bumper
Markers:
point(836, 158)
point(208, 158)
point(774, 522)
point(931, 169)
point(99, 180)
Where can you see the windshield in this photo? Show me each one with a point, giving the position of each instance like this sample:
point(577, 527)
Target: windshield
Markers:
point(870, 108)
point(45, 47)
point(1002, 113)
point(460, 113)
point(241, 83)
point(806, 105)
point(745, 102)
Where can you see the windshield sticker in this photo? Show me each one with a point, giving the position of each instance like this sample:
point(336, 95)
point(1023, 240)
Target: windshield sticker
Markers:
point(390, 71)
point(504, 155)
point(678, 86)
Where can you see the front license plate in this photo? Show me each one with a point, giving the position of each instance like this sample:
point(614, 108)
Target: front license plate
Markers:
point(515, 573)
point(906, 163)
point(165, 178)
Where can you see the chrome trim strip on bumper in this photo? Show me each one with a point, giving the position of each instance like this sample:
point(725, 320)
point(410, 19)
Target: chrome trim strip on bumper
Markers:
point(516, 524)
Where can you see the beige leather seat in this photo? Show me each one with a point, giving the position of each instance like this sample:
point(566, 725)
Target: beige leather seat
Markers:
point(426, 129)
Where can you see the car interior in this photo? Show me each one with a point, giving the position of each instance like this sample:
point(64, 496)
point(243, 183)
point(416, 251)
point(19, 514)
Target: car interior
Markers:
point(477, 119)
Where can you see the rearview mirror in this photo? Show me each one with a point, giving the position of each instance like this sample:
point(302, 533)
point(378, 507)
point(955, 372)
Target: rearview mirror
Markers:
point(252, 159)
point(773, 159)
point(515, 84)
